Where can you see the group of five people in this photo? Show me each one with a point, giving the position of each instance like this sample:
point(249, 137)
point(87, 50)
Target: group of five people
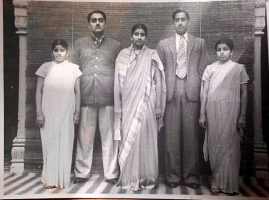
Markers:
point(131, 93)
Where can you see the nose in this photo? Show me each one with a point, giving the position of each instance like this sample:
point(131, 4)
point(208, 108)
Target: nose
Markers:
point(97, 22)
point(139, 36)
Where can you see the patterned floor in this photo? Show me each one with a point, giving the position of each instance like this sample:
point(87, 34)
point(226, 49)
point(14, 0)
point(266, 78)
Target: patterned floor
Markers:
point(30, 184)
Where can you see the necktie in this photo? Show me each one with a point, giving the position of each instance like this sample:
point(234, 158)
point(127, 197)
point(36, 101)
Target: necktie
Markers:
point(181, 71)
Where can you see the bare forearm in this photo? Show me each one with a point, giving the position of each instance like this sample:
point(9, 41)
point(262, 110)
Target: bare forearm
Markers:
point(243, 104)
point(204, 97)
point(38, 98)
point(77, 96)
point(158, 84)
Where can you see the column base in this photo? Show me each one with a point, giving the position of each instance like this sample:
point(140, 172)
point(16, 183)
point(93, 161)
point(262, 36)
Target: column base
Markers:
point(17, 153)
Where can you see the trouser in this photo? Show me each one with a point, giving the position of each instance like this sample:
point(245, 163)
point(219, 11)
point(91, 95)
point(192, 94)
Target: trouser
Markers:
point(181, 137)
point(85, 141)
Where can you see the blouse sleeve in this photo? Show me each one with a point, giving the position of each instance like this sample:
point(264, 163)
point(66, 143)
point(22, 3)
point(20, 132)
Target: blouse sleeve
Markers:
point(207, 74)
point(243, 76)
point(78, 73)
point(43, 70)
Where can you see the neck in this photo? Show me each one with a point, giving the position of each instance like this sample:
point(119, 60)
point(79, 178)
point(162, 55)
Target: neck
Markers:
point(98, 35)
point(223, 62)
point(135, 48)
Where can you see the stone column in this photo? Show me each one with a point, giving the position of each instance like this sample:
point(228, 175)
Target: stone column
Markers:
point(17, 161)
point(260, 148)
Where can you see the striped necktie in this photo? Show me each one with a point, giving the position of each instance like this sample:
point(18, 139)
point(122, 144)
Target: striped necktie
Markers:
point(181, 71)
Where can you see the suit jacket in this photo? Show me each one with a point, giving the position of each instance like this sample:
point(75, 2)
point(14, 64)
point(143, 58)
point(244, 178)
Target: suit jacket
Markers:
point(197, 60)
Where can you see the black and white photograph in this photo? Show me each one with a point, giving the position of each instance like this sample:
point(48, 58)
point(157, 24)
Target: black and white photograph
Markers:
point(135, 99)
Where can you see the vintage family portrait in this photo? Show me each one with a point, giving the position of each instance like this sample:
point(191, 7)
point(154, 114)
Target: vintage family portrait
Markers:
point(137, 99)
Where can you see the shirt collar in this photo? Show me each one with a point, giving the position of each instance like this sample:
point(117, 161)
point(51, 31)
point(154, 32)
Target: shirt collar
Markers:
point(96, 39)
point(185, 36)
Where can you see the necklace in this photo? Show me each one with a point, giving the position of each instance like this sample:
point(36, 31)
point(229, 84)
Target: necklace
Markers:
point(136, 54)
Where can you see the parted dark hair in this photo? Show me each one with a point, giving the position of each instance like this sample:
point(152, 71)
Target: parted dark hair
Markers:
point(61, 42)
point(138, 26)
point(96, 11)
point(226, 41)
point(181, 10)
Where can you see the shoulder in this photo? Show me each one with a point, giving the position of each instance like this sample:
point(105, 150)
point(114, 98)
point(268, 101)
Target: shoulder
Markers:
point(46, 65)
point(81, 40)
point(166, 40)
point(75, 66)
point(240, 67)
point(196, 39)
point(212, 67)
point(112, 41)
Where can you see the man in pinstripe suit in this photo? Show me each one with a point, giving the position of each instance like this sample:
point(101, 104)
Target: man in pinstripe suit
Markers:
point(184, 58)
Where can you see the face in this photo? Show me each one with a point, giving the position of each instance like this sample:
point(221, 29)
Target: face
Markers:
point(181, 23)
point(97, 23)
point(59, 54)
point(223, 53)
point(138, 38)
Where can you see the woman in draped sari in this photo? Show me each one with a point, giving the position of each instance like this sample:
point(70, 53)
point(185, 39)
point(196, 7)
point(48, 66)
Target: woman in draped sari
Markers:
point(223, 110)
point(139, 93)
point(57, 106)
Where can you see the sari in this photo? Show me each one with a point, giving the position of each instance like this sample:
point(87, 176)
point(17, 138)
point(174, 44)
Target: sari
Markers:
point(134, 105)
point(57, 134)
point(222, 140)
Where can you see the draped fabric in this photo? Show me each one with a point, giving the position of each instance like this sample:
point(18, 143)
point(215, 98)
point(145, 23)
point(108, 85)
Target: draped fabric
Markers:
point(222, 141)
point(57, 134)
point(135, 101)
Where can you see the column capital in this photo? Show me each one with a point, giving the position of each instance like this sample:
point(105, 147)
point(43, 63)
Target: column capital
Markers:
point(20, 12)
point(260, 3)
point(20, 3)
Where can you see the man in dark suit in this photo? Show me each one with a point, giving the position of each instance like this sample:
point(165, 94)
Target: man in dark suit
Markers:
point(184, 58)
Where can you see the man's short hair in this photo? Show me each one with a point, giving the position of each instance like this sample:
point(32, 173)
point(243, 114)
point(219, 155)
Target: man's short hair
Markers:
point(96, 11)
point(181, 10)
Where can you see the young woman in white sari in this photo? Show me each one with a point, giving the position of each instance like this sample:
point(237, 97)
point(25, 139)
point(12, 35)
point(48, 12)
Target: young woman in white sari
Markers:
point(139, 93)
point(58, 109)
point(223, 110)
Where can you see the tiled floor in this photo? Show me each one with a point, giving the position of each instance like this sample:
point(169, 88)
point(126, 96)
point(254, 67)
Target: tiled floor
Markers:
point(30, 184)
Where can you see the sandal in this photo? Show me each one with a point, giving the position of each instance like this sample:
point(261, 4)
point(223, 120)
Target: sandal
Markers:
point(50, 186)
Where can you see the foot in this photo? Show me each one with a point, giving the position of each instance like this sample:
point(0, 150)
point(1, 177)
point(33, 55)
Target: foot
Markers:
point(193, 185)
point(80, 180)
point(112, 181)
point(50, 186)
point(172, 184)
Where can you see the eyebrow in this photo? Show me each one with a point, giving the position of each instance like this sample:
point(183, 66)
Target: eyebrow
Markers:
point(97, 18)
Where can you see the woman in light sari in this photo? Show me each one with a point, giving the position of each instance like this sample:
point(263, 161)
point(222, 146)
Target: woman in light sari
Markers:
point(57, 106)
point(223, 110)
point(139, 93)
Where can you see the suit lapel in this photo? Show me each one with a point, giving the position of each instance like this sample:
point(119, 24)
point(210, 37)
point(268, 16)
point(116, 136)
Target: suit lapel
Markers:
point(190, 44)
point(172, 46)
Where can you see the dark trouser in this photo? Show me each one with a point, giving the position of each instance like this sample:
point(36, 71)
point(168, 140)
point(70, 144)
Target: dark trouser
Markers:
point(181, 137)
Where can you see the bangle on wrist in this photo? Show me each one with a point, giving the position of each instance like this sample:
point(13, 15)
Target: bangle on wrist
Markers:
point(39, 113)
